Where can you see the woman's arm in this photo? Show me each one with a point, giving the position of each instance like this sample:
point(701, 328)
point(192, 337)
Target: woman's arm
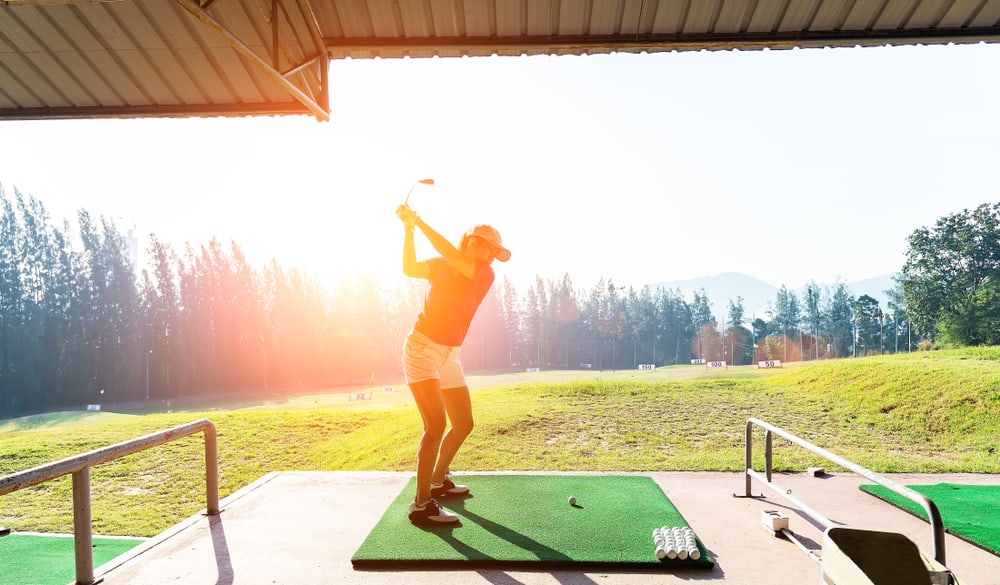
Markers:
point(462, 263)
point(411, 267)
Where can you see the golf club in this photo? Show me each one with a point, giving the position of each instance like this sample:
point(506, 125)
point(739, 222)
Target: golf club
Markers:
point(424, 181)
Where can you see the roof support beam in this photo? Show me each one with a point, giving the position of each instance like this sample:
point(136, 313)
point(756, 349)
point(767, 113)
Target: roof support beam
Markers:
point(658, 42)
point(157, 111)
point(195, 10)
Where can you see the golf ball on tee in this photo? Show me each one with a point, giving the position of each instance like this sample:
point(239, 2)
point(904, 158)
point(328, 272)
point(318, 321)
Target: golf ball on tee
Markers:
point(572, 500)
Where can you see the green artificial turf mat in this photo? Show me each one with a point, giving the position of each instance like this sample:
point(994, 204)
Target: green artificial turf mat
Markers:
point(526, 521)
point(970, 512)
point(35, 559)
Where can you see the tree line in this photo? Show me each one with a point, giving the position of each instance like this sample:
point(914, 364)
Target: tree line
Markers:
point(80, 324)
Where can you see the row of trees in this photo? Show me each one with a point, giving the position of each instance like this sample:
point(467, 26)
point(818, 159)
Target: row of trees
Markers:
point(553, 325)
point(948, 291)
point(79, 324)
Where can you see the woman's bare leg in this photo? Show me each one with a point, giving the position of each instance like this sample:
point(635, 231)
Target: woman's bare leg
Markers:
point(430, 403)
point(458, 405)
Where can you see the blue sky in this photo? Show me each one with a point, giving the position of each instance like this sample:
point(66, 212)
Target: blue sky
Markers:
point(784, 165)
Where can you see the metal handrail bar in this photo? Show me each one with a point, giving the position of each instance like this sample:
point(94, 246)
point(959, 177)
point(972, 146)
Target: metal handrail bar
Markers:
point(933, 515)
point(79, 466)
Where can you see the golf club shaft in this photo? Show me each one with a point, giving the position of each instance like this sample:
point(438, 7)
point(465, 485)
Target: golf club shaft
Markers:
point(424, 181)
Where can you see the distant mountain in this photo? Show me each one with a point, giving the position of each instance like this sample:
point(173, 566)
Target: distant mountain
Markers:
point(874, 287)
point(758, 295)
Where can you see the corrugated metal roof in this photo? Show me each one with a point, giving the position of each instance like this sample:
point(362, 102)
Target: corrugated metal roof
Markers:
point(130, 58)
point(161, 58)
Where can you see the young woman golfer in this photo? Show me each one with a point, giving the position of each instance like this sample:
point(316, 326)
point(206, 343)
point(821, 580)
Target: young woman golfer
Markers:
point(459, 279)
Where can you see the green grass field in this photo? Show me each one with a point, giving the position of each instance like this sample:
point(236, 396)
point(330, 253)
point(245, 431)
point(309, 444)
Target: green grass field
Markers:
point(920, 412)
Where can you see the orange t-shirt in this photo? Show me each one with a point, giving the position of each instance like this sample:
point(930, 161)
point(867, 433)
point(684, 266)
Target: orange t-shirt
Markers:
point(451, 301)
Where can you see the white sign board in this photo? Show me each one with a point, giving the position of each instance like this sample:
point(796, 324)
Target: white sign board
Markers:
point(769, 364)
point(534, 370)
point(388, 388)
point(647, 367)
point(716, 364)
point(697, 361)
point(360, 396)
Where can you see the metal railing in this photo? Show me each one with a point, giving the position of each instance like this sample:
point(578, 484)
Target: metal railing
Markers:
point(933, 515)
point(79, 466)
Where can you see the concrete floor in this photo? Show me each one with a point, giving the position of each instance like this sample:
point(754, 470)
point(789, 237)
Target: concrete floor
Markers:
point(303, 527)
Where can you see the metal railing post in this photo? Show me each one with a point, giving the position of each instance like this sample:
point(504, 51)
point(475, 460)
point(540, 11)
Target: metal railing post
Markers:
point(768, 454)
point(82, 537)
point(749, 456)
point(211, 471)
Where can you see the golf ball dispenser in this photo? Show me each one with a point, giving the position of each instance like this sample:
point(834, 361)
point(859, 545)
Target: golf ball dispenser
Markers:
point(675, 542)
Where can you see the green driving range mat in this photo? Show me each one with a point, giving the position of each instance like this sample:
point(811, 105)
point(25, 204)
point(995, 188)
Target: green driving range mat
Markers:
point(970, 512)
point(34, 559)
point(527, 522)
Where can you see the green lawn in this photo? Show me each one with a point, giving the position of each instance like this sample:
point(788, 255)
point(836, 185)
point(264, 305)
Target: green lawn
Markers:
point(920, 412)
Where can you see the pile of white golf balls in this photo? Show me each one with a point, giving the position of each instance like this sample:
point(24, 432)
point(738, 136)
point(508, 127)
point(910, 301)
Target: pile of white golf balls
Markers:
point(675, 543)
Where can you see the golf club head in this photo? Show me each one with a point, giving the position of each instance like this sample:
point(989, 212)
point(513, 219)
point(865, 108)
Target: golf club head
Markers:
point(420, 182)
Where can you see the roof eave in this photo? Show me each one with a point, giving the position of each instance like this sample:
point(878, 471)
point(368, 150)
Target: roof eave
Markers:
point(158, 111)
point(584, 44)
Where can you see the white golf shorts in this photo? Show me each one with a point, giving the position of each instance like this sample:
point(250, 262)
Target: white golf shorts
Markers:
point(423, 359)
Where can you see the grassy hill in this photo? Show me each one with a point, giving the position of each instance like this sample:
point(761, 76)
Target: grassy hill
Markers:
point(920, 412)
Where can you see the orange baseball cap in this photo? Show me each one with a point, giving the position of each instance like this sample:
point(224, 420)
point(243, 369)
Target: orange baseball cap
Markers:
point(491, 235)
